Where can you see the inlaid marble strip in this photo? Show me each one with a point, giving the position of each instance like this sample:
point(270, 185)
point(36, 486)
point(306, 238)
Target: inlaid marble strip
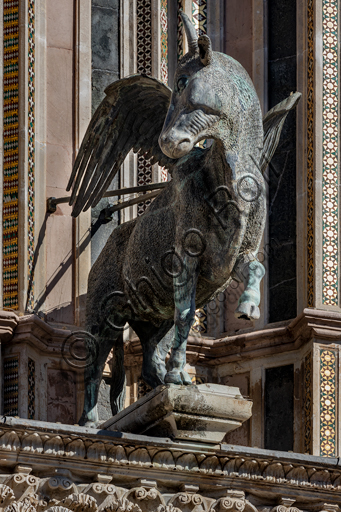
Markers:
point(11, 379)
point(144, 66)
point(164, 41)
point(31, 148)
point(308, 403)
point(310, 157)
point(31, 388)
point(164, 59)
point(11, 152)
point(327, 403)
point(330, 102)
point(199, 16)
point(179, 31)
point(199, 19)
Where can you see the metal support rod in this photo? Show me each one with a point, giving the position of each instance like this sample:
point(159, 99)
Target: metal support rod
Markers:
point(53, 201)
point(106, 213)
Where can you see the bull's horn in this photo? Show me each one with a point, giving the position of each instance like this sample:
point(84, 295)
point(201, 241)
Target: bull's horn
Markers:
point(191, 34)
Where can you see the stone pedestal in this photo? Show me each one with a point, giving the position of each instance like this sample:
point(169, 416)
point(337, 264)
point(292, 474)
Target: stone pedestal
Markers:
point(201, 413)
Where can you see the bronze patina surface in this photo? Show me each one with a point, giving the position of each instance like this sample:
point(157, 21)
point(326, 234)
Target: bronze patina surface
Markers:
point(202, 230)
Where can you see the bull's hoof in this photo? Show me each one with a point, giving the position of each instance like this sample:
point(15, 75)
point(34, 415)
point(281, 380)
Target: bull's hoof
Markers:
point(177, 377)
point(247, 311)
point(173, 377)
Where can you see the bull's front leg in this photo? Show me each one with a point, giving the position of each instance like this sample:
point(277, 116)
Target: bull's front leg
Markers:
point(250, 272)
point(184, 298)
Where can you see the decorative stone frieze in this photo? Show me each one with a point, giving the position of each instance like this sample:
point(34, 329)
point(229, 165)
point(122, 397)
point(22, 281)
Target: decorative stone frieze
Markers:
point(58, 468)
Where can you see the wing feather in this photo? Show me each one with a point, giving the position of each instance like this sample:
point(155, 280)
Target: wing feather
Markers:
point(272, 124)
point(131, 116)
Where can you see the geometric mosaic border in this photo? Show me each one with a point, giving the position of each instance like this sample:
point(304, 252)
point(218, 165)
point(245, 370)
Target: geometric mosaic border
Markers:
point(330, 132)
point(310, 156)
point(31, 149)
point(144, 66)
point(11, 380)
point(327, 403)
point(31, 388)
point(179, 31)
point(164, 41)
point(308, 403)
point(199, 20)
point(199, 16)
point(11, 153)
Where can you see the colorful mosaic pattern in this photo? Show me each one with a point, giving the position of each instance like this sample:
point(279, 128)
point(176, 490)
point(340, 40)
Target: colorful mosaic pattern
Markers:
point(11, 153)
point(330, 153)
point(31, 388)
point(327, 403)
point(199, 19)
point(310, 156)
point(11, 379)
point(199, 16)
point(164, 59)
point(144, 66)
point(164, 41)
point(308, 403)
point(180, 31)
point(200, 321)
point(31, 147)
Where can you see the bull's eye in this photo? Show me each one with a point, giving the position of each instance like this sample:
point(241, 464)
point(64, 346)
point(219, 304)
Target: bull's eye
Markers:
point(182, 83)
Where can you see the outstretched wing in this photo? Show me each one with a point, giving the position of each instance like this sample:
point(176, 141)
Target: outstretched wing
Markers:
point(272, 124)
point(131, 116)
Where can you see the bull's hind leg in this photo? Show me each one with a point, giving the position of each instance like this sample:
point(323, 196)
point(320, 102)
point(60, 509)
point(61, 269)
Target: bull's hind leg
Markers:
point(99, 345)
point(155, 346)
point(250, 271)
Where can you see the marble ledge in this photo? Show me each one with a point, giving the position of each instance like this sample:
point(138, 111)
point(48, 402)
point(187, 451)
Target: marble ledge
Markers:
point(31, 436)
point(310, 324)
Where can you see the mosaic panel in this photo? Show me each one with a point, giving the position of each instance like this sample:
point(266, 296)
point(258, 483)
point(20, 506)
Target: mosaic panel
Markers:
point(11, 380)
point(144, 67)
point(199, 16)
point(310, 155)
point(330, 153)
point(31, 148)
point(180, 31)
point(11, 153)
point(327, 403)
point(200, 321)
point(199, 19)
point(164, 41)
point(142, 388)
point(31, 388)
point(164, 58)
point(308, 403)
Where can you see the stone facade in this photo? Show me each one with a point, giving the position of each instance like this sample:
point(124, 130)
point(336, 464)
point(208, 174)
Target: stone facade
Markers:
point(56, 60)
point(57, 468)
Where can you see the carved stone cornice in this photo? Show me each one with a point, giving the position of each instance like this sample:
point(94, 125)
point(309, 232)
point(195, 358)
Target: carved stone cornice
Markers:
point(290, 335)
point(311, 324)
point(94, 454)
point(8, 322)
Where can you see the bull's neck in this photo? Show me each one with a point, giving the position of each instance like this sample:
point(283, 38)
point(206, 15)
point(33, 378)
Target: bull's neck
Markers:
point(216, 160)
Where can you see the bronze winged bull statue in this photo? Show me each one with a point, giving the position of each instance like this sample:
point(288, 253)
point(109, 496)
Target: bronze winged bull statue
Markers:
point(202, 230)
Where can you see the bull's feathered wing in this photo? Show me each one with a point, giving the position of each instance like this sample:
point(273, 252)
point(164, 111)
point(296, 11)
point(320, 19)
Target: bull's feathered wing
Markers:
point(272, 125)
point(131, 116)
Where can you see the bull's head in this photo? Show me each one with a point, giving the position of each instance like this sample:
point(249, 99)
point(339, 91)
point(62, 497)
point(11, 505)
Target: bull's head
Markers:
point(195, 107)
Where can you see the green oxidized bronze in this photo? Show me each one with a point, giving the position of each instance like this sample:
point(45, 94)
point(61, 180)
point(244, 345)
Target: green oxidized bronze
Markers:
point(202, 230)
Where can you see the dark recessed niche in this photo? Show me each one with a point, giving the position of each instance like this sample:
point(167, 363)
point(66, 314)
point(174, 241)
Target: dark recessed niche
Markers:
point(279, 408)
point(281, 174)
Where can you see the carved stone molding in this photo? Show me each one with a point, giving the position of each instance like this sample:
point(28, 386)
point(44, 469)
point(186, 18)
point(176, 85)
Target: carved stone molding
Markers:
point(28, 449)
point(8, 322)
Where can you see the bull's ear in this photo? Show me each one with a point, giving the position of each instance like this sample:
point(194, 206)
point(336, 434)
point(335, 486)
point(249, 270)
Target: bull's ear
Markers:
point(205, 50)
point(272, 124)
